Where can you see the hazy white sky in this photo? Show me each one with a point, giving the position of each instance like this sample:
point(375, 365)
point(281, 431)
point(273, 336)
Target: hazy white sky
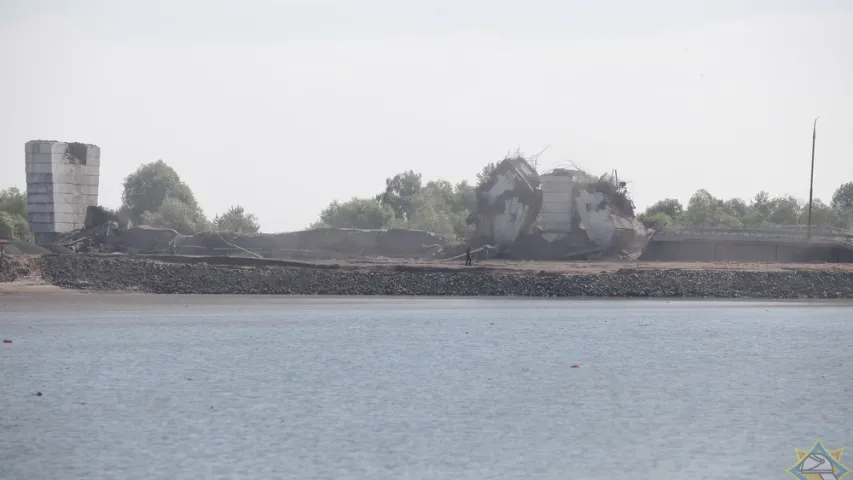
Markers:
point(285, 105)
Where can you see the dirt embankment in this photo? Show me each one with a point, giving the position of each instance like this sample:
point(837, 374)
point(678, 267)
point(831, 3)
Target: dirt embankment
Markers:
point(243, 276)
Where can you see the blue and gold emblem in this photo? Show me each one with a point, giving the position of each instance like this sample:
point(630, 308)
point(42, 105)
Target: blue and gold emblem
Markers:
point(818, 464)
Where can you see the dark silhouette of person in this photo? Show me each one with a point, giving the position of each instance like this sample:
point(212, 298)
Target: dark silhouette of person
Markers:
point(468, 256)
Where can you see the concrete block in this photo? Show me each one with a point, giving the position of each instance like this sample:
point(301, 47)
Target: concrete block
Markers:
point(54, 208)
point(67, 227)
point(41, 207)
point(39, 188)
point(64, 169)
point(37, 227)
point(91, 180)
point(94, 156)
point(557, 187)
point(59, 148)
point(63, 217)
point(36, 198)
point(63, 188)
point(551, 209)
point(555, 218)
point(82, 190)
point(76, 208)
point(45, 147)
point(66, 197)
point(40, 158)
point(39, 177)
point(39, 217)
point(87, 170)
point(28, 147)
point(83, 199)
point(45, 238)
point(39, 168)
point(557, 227)
point(557, 197)
point(64, 173)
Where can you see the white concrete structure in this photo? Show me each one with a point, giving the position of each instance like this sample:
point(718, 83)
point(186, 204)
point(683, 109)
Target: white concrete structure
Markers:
point(62, 182)
point(557, 211)
point(596, 220)
point(510, 197)
point(602, 225)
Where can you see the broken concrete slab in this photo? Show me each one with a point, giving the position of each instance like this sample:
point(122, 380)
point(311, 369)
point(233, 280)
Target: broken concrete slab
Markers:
point(560, 214)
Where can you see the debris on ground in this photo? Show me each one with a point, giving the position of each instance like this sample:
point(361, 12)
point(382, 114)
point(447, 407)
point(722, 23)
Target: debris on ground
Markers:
point(563, 214)
point(104, 232)
point(17, 267)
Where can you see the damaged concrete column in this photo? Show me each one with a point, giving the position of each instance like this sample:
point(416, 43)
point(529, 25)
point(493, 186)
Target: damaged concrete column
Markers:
point(62, 182)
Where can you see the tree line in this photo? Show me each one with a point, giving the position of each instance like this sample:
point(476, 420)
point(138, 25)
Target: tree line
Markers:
point(442, 207)
point(155, 195)
point(762, 211)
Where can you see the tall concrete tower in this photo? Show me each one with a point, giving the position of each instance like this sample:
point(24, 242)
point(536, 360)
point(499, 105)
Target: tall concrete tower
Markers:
point(62, 182)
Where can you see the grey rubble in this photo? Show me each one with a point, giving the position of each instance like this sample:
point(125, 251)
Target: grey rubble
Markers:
point(144, 275)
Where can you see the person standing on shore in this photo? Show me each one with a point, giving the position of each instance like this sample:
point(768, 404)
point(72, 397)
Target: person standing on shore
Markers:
point(468, 256)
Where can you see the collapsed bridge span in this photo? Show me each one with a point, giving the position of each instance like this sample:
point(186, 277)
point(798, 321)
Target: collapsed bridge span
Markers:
point(561, 214)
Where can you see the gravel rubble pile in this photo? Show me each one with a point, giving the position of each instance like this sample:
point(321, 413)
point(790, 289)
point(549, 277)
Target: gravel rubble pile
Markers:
point(15, 267)
point(134, 274)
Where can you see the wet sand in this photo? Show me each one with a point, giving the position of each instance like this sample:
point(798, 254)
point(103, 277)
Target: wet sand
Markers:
point(48, 298)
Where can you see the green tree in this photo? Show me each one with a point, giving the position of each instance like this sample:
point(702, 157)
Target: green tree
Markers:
point(146, 189)
point(236, 220)
point(736, 207)
point(356, 213)
point(785, 211)
point(670, 207)
point(401, 193)
point(758, 211)
point(660, 219)
point(14, 201)
point(155, 195)
point(706, 211)
point(842, 199)
point(429, 217)
point(822, 215)
point(178, 216)
point(465, 197)
point(443, 208)
point(13, 215)
point(764, 211)
point(484, 174)
point(15, 227)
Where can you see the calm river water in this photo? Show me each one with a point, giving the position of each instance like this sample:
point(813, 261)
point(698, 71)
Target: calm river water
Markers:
point(143, 387)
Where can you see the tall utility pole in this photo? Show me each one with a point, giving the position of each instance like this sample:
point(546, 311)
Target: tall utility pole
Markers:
point(811, 181)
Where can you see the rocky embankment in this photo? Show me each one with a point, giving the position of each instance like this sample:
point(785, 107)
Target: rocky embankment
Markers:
point(145, 275)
